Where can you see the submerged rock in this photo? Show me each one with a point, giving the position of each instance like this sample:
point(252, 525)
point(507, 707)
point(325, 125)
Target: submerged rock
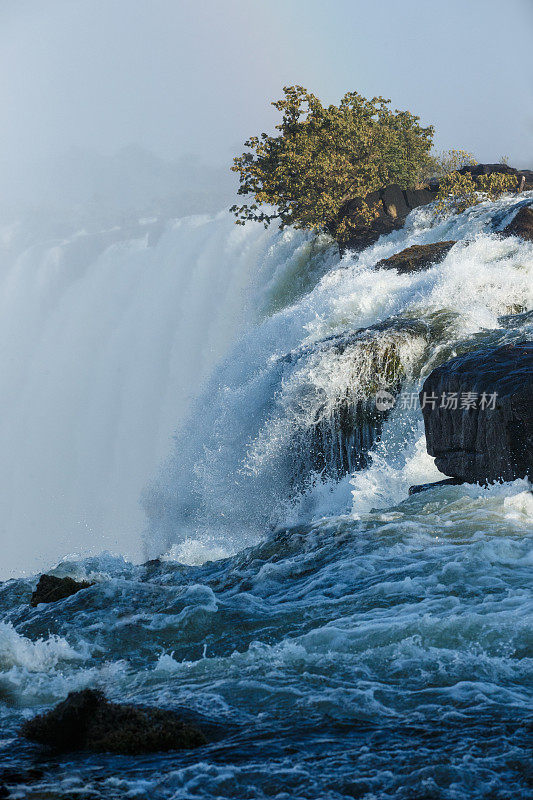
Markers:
point(51, 589)
point(87, 721)
point(521, 225)
point(16, 777)
point(338, 432)
point(424, 487)
point(417, 257)
point(478, 414)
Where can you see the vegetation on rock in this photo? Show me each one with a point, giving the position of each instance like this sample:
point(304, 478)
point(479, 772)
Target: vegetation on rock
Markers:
point(324, 156)
point(458, 190)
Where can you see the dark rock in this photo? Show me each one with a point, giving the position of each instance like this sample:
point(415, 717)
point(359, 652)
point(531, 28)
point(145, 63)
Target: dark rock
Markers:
point(419, 256)
point(418, 197)
point(394, 202)
point(492, 439)
point(424, 487)
point(522, 224)
point(487, 169)
point(4, 792)
point(51, 589)
point(10, 776)
point(87, 721)
point(394, 205)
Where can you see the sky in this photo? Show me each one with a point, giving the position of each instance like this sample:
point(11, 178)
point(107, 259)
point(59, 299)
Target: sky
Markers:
point(181, 77)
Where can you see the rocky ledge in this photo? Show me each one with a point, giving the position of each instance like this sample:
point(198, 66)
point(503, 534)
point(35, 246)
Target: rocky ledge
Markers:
point(395, 203)
point(521, 225)
point(478, 414)
point(87, 721)
point(417, 257)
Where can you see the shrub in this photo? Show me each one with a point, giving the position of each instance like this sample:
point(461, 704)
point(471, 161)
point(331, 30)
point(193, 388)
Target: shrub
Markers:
point(324, 156)
point(457, 191)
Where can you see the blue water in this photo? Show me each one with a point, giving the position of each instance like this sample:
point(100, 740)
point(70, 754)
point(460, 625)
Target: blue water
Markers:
point(343, 641)
point(384, 658)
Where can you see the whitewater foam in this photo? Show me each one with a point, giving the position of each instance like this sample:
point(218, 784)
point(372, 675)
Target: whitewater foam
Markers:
point(241, 462)
point(106, 337)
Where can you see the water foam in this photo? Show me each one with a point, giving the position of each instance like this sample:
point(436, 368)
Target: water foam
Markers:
point(106, 337)
point(235, 469)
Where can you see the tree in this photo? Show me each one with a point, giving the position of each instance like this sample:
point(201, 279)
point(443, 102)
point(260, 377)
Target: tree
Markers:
point(324, 156)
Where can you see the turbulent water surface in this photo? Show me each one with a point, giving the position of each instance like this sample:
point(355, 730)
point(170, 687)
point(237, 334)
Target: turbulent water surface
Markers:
point(347, 640)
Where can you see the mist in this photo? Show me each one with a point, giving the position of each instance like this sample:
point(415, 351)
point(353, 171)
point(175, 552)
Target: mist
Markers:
point(123, 280)
point(107, 102)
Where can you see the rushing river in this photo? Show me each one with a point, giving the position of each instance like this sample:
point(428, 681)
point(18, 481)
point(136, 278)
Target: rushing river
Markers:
point(343, 639)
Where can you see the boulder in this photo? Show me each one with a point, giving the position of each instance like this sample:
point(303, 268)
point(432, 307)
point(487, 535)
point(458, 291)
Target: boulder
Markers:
point(417, 257)
point(87, 721)
point(394, 205)
point(478, 414)
point(521, 225)
point(51, 589)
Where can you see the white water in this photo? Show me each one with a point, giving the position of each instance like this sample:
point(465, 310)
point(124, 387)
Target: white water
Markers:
point(231, 476)
point(106, 337)
point(379, 647)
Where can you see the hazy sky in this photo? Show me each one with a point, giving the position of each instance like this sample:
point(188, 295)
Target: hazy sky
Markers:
point(179, 76)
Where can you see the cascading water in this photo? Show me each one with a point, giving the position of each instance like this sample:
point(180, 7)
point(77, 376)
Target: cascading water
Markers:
point(106, 336)
point(347, 640)
point(291, 410)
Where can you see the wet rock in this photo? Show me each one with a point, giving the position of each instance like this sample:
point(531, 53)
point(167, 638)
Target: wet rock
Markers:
point(417, 257)
point(424, 487)
point(478, 414)
point(338, 437)
point(51, 589)
point(87, 721)
point(521, 225)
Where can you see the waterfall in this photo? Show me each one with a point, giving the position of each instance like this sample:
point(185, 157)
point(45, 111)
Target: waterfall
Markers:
point(106, 337)
point(262, 350)
point(287, 430)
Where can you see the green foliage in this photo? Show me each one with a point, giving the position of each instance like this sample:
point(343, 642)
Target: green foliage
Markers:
point(324, 156)
point(458, 192)
point(493, 186)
